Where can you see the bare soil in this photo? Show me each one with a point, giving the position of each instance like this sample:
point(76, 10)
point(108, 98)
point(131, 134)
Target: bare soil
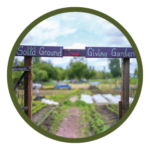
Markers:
point(70, 126)
point(110, 118)
point(113, 91)
point(73, 99)
point(40, 114)
point(47, 92)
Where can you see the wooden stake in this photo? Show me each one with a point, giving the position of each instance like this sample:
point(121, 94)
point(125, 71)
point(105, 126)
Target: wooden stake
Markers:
point(120, 110)
point(28, 88)
point(125, 65)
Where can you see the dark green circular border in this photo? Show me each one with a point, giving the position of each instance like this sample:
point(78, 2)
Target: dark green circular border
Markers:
point(21, 37)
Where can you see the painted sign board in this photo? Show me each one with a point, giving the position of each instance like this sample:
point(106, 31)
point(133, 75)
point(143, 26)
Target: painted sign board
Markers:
point(89, 52)
point(40, 51)
point(109, 52)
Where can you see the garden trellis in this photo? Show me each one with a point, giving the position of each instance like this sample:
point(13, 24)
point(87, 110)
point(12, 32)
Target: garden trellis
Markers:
point(89, 52)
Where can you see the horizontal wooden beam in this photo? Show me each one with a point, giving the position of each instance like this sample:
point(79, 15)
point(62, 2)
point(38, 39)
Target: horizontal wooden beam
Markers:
point(88, 52)
point(21, 68)
point(24, 108)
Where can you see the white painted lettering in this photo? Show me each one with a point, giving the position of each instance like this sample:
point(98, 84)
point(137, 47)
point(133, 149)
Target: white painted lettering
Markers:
point(112, 52)
point(19, 51)
point(40, 51)
point(89, 53)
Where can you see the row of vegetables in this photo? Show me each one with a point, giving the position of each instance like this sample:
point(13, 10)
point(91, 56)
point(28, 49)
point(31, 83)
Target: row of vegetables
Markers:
point(38, 105)
point(91, 119)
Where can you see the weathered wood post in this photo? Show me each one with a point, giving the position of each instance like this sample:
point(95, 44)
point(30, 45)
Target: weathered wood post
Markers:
point(28, 87)
point(125, 65)
point(119, 110)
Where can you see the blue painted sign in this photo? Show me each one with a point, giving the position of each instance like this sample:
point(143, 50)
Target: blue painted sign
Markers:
point(40, 51)
point(109, 52)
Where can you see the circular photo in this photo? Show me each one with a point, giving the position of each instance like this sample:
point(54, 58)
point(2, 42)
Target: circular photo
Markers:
point(75, 75)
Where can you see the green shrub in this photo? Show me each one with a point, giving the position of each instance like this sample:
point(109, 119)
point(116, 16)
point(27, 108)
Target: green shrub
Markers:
point(34, 104)
point(68, 103)
point(80, 103)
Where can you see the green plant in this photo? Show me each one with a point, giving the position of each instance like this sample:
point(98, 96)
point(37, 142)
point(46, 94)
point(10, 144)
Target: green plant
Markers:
point(68, 103)
point(112, 107)
point(38, 107)
point(80, 103)
point(44, 127)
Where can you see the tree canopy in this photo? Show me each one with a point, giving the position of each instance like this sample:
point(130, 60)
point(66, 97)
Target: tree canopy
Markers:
point(114, 66)
point(77, 69)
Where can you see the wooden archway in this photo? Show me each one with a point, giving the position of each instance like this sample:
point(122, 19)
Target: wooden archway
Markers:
point(89, 52)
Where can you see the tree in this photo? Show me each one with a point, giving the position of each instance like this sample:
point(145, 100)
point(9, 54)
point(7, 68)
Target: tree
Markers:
point(36, 60)
point(114, 66)
point(59, 73)
point(89, 73)
point(16, 75)
point(16, 62)
point(43, 76)
point(136, 72)
point(48, 68)
point(46, 62)
point(77, 69)
point(21, 63)
point(80, 70)
point(78, 59)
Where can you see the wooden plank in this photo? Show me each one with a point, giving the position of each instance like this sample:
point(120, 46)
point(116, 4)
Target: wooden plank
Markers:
point(125, 65)
point(109, 52)
point(19, 81)
point(89, 52)
point(28, 88)
point(120, 110)
point(40, 51)
point(24, 108)
point(21, 68)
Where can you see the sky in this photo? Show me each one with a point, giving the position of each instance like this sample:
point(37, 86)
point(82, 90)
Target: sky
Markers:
point(77, 30)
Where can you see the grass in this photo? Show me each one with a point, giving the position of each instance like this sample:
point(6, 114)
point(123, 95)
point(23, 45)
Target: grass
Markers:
point(133, 80)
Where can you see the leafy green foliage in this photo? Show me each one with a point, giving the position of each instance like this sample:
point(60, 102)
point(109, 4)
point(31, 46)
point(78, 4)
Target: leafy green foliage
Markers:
point(37, 107)
point(46, 115)
point(80, 103)
point(136, 72)
point(113, 108)
point(114, 67)
point(91, 116)
point(68, 103)
point(80, 70)
point(36, 60)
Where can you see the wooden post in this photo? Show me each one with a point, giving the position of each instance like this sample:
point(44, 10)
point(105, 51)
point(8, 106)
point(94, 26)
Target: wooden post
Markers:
point(125, 65)
point(28, 87)
point(120, 110)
